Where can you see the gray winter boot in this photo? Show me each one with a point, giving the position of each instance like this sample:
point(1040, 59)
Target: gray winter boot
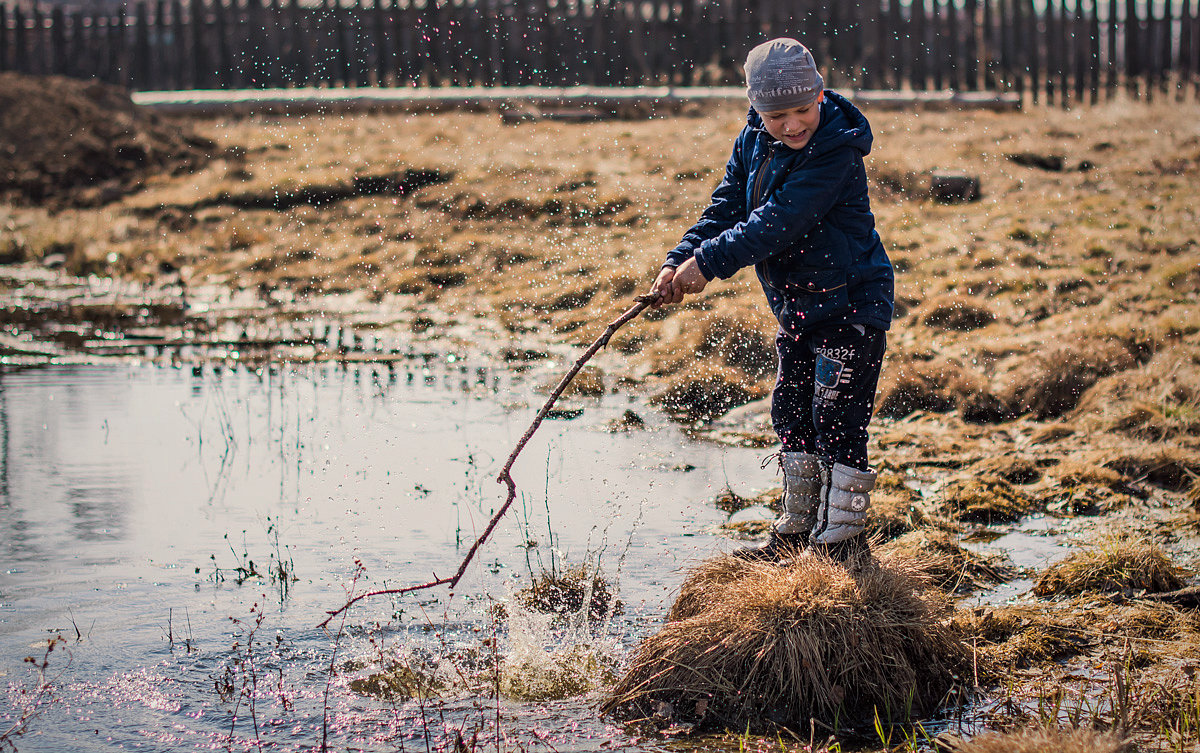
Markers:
point(842, 511)
point(801, 493)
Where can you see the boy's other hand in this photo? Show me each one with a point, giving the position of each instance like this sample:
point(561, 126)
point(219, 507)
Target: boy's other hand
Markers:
point(688, 280)
point(663, 288)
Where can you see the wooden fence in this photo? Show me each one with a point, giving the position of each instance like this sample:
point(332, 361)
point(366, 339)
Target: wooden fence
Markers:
point(1054, 51)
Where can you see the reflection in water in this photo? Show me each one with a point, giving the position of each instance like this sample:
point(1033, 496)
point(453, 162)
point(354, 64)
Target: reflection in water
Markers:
point(129, 488)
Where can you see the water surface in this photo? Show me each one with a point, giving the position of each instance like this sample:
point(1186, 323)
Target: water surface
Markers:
point(133, 497)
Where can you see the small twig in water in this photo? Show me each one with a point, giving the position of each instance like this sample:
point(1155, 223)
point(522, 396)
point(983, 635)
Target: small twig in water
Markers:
point(643, 302)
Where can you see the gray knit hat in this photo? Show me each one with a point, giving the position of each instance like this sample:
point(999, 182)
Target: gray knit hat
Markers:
point(781, 74)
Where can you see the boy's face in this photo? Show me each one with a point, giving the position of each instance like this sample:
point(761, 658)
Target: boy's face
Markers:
point(796, 126)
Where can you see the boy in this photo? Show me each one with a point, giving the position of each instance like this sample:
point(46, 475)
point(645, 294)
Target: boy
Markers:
point(794, 204)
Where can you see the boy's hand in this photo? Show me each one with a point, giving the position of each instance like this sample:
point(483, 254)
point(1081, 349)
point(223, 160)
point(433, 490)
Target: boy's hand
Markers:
point(663, 288)
point(688, 280)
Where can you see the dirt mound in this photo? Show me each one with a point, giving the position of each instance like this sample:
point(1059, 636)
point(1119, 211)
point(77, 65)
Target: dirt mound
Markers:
point(83, 143)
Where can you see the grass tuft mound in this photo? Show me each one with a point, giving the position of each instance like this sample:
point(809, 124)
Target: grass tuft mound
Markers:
point(985, 498)
point(955, 313)
point(748, 643)
point(1050, 384)
point(1112, 564)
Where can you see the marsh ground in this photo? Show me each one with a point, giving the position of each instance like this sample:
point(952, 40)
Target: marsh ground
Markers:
point(1044, 361)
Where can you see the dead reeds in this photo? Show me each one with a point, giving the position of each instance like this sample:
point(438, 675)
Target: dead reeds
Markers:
point(747, 643)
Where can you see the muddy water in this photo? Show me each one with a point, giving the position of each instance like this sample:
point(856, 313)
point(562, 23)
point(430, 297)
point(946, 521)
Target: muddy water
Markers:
point(133, 498)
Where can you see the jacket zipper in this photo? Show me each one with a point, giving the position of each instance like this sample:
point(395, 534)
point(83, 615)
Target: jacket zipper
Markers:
point(758, 179)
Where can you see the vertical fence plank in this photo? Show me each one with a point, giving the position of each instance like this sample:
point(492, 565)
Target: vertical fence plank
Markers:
point(1036, 40)
point(252, 57)
point(971, 53)
point(37, 62)
point(920, 70)
point(1182, 69)
point(224, 46)
point(141, 47)
point(937, 44)
point(58, 41)
point(4, 63)
point(1188, 46)
point(987, 38)
point(198, 53)
point(1132, 67)
point(1065, 45)
point(20, 40)
point(1051, 48)
point(1083, 58)
point(1093, 52)
point(379, 43)
point(1167, 50)
point(120, 33)
point(1110, 71)
point(895, 45)
point(82, 56)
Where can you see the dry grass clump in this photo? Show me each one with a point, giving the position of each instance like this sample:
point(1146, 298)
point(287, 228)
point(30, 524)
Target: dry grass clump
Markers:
point(938, 386)
point(1050, 384)
point(1014, 469)
point(813, 640)
point(1159, 401)
point(1073, 487)
point(569, 592)
point(985, 498)
point(1111, 564)
point(1168, 466)
point(954, 313)
point(1019, 636)
point(706, 392)
point(736, 334)
point(895, 509)
point(948, 565)
point(1043, 740)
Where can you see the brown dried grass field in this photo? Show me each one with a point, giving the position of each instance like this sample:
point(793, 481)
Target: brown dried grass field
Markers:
point(1044, 357)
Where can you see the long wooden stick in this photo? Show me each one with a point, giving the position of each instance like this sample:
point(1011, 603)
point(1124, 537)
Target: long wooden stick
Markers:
point(642, 303)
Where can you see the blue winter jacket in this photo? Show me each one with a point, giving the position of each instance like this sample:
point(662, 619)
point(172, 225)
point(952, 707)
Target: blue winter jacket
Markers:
point(803, 219)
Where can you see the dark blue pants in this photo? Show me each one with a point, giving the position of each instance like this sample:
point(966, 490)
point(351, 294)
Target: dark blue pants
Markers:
point(825, 391)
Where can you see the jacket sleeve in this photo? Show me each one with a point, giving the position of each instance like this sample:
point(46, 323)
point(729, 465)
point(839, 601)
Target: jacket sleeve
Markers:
point(727, 207)
point(805, 197)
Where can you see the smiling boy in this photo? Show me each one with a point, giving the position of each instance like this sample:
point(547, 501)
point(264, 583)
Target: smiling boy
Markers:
point(794, 204)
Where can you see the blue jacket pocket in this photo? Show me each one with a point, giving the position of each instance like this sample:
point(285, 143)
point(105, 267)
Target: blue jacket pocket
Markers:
point(813, 296)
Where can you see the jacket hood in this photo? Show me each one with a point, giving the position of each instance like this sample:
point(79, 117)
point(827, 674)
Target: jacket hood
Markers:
point(841, 125)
